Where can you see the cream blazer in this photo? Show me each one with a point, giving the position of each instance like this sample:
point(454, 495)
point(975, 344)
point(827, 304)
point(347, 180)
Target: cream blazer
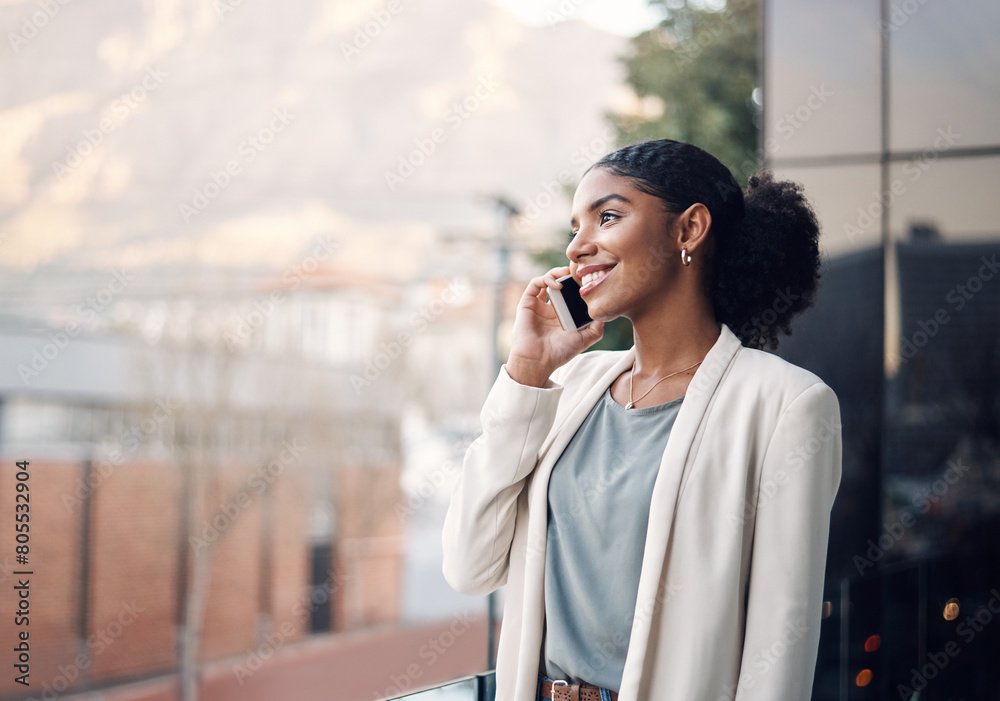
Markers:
point(730, 590)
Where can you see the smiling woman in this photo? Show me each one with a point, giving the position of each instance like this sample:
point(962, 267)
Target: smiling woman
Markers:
point(620, 497)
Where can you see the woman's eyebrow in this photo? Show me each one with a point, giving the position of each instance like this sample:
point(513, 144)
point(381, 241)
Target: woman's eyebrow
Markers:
point(596, 204)
point(607, 198)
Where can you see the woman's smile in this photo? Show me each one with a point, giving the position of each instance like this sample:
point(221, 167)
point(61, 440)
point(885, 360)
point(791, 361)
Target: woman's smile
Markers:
point(591, 276)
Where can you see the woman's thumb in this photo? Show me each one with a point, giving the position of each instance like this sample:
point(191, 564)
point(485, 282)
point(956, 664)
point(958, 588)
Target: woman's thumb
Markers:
point(594, 332)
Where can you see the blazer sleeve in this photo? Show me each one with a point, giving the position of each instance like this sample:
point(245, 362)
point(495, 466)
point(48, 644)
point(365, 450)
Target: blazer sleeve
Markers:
point(479, 524)
point(800, 478)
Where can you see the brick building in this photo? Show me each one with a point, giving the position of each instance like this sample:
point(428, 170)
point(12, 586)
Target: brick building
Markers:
point(191, 501)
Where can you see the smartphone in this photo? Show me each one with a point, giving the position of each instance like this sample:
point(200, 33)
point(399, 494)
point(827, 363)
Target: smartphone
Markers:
point(569, 305)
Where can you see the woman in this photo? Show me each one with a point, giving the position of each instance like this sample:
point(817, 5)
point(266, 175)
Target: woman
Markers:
point(659, 515)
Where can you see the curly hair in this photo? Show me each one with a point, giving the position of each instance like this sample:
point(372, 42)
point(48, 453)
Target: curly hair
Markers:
point(764, 260)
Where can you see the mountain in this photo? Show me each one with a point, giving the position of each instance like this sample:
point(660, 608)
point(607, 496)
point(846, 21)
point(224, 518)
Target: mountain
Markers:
point(176, 135)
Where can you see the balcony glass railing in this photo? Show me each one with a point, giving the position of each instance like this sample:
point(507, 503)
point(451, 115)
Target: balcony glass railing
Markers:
point(479, 687)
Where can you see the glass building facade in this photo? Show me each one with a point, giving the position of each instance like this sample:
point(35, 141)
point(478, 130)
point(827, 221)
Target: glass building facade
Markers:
point(887, 112)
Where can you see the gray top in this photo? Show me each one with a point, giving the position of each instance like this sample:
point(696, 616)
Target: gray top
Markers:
point(599, 495)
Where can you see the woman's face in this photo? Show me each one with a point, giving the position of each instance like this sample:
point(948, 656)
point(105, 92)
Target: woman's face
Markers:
point(621, 252)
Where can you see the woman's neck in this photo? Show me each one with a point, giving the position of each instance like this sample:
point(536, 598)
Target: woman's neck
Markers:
point(674, 338)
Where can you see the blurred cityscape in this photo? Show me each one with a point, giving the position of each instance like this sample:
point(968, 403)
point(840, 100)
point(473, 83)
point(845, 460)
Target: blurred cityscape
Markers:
point(260, 260)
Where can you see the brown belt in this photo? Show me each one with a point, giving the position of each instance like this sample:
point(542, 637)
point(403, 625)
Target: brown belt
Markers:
point(560, 690)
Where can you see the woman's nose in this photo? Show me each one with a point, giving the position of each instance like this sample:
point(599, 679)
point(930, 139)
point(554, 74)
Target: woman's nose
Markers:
point(580, 245)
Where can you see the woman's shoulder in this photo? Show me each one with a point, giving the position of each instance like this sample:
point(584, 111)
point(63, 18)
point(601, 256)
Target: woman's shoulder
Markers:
point(774, 373)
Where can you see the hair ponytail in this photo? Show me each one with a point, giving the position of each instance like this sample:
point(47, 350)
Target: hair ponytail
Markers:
point(767, 272)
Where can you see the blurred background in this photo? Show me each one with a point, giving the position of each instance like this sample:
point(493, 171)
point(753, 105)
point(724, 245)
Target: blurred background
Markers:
point(259, 266)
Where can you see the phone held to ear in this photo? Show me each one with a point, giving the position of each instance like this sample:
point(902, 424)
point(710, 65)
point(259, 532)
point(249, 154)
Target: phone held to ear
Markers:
point(569, 305)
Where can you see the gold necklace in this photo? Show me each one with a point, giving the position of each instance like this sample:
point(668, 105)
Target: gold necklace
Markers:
point(631, 377)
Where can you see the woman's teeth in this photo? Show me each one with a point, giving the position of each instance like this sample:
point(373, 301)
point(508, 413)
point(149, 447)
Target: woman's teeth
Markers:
point(591, 277)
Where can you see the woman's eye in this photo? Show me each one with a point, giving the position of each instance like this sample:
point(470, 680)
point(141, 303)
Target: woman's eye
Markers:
point(607, 216)
point(571, 235)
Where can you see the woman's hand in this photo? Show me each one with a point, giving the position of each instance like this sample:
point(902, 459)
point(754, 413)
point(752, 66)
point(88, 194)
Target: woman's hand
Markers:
point(539, 344)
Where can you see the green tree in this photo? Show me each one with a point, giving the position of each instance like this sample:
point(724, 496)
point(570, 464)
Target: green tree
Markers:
point(697, 72)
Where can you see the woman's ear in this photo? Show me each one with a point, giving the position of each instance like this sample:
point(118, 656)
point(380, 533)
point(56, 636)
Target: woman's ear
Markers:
point(693, 225)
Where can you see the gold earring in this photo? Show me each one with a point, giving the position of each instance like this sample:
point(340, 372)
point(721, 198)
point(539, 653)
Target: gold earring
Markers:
point(685, 257)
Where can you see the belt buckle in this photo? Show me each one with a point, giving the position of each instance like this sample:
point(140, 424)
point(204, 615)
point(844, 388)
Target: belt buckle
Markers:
point(557, 685)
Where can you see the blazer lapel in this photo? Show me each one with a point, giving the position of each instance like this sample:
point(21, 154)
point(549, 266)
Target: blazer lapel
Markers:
point(677, 462)
point(561, 435)
point(534, 567)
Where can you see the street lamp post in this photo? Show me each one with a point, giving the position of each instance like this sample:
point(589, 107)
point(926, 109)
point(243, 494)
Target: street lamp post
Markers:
point(505, 211)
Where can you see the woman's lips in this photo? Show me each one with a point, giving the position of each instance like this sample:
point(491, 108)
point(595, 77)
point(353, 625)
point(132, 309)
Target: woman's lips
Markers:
point(602, 276)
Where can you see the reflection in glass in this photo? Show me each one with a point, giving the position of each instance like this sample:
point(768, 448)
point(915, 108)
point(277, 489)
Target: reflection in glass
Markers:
point(942, 471)
point(820, 91)
point(464, 690)
point(847, 201)
point(945, 73)
point(954, 199)
point(840, 340)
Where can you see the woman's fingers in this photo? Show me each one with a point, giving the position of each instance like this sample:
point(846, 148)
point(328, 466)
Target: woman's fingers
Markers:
point(538, 287)
point(550, 280)
point(552, 275)
point(539, 343)
point(561, 271)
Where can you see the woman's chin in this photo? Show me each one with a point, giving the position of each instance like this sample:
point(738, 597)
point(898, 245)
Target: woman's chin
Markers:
point(599, 313)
